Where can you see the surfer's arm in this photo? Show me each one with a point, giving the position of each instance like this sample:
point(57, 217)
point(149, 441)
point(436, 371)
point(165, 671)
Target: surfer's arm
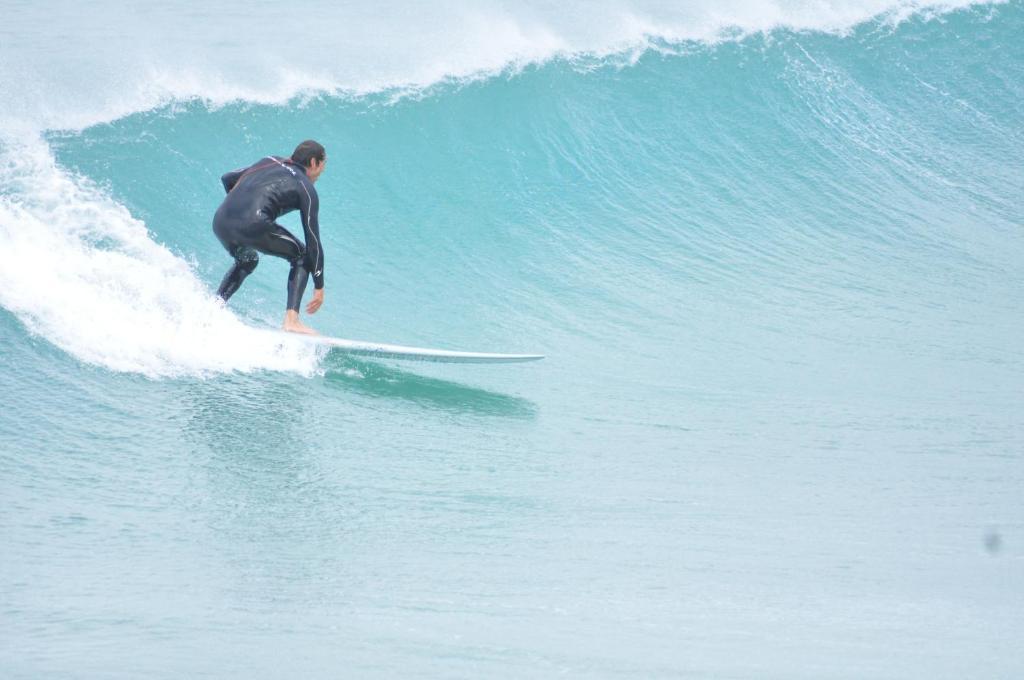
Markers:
point(310, 208)
point(230, 179)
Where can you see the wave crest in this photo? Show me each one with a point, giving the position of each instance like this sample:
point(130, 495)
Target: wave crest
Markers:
point(224, 52)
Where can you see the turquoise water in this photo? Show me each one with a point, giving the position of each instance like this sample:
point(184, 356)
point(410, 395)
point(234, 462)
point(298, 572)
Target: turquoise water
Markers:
point(777, 275)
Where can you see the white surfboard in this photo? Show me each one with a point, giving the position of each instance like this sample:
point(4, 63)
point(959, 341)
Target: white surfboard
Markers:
point(382, 351)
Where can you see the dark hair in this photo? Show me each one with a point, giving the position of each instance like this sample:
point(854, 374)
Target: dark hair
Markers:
point(307, 151)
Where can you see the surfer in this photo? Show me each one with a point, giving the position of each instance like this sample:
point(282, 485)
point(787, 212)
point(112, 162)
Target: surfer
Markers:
point(244, 223)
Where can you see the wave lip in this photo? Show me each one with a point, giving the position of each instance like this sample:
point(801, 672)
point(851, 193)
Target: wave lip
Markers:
point(219, 53)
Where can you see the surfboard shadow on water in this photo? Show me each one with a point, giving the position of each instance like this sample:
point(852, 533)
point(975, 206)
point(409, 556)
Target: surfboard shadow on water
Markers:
point(380, 380)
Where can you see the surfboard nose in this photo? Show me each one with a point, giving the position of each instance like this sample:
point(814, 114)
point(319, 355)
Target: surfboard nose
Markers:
point(406, 353)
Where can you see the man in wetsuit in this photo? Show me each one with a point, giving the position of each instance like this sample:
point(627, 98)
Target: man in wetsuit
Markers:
point(244, 223)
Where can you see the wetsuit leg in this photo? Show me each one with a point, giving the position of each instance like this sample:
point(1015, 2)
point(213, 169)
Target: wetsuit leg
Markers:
point(242, 240)
point(246, 260)
point(280, 242)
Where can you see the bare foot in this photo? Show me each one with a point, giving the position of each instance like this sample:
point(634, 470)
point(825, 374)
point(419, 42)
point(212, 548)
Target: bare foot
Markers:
point(293, 325)
point(299, 328)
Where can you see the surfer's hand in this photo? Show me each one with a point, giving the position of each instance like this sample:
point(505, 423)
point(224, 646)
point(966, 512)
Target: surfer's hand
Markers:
point(314, 304)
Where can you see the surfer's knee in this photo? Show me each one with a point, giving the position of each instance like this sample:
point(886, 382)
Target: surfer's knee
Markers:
point(247, 259)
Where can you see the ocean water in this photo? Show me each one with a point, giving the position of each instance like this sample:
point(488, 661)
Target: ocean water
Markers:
point(772, 251)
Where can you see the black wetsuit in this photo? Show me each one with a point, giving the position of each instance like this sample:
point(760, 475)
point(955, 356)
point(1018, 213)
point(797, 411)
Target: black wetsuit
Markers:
point(244, 223)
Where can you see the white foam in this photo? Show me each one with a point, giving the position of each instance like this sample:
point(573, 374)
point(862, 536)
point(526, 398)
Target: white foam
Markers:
point(79, 270)
point(69, 65)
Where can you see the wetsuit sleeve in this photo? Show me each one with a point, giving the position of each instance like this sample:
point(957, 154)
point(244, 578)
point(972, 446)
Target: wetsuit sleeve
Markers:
point(230, 179)
point(309, 207)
